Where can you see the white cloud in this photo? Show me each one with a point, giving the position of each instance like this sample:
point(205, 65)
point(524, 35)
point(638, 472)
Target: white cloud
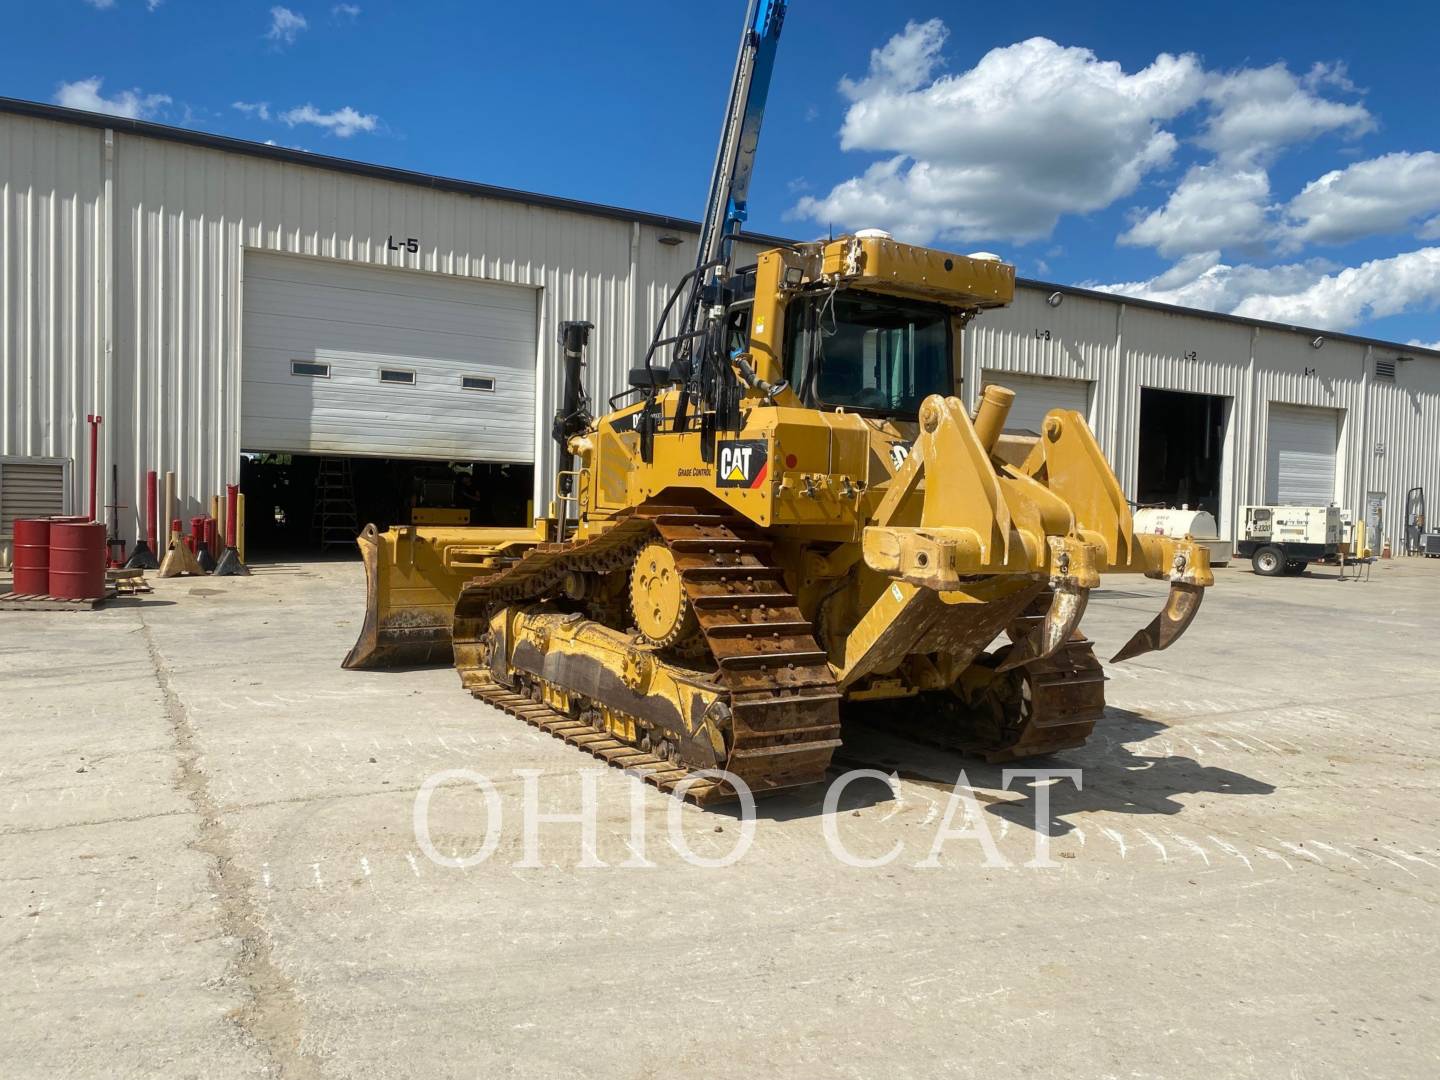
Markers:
point(902, 64)
point(101, 5)
point(85, 94)
point(1035, 130)
point(343, 122)
point(1254, 114)
point(348, 11)
point(1312, 293)
point(1215, 206)
point(258, 109)
point(1201, 280)
point(151, 5)
point(1372, 290)
point(1369, 198)
point(1424, 344)
point(1258, 111)
point(285, 25)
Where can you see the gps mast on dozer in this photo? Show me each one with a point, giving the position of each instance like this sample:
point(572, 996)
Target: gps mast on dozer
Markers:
point(789, 512)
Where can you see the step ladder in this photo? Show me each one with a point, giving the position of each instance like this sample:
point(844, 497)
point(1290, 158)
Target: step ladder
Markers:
point(333, 523)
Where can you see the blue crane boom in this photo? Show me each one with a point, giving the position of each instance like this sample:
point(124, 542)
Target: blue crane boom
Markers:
point(728, 201)
point(699, 360)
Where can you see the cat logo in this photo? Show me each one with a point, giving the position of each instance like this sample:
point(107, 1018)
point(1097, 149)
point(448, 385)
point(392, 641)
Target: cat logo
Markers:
point(742, 463)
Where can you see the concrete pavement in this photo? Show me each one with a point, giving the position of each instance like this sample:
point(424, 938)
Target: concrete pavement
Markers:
point(208, 865)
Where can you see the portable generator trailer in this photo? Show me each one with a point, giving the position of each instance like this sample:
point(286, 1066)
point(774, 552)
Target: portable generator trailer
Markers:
point(1282, 540)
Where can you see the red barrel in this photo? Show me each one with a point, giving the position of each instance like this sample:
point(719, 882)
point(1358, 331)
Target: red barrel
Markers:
point(31, 560)
point(77, 560)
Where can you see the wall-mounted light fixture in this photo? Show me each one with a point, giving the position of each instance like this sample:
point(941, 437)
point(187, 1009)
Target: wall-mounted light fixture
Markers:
point(1317, 342)
point(670, 240)
point(1055, 299)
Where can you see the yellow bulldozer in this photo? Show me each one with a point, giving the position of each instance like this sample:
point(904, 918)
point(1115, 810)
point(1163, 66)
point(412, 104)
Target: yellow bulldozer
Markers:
point(805, 519)
point(788, 515)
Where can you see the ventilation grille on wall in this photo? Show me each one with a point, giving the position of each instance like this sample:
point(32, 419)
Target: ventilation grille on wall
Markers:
point(1384, 369)
point(29, 488)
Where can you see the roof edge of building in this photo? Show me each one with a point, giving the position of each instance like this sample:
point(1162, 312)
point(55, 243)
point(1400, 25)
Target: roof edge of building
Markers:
point(149, 129)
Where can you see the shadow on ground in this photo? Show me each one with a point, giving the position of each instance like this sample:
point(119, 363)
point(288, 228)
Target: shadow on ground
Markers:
point(1113, 776)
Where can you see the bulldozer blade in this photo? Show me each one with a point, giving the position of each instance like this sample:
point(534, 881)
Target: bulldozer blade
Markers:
point(403, 626)
point(413, 576)
point(1066, 609)
point(1165, 629)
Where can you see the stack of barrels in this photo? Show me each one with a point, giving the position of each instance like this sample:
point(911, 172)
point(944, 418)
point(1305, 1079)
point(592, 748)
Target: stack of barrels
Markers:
point(61, 557)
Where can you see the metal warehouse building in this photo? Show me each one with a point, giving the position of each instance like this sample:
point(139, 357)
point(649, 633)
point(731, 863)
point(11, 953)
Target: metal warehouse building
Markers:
point(226, 305)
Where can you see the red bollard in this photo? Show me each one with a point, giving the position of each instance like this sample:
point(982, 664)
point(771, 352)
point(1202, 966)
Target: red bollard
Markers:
point(198, 545)
point(152, 510)
point(230, 563)
point(146, 555)
point(94, 422)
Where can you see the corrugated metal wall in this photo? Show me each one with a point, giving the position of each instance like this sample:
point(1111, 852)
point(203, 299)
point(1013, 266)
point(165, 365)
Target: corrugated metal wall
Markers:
point(187, 215)
point(52, 214)
point(157, 230)
point(1124, 347)
point(1401, 440)
point(184, 216)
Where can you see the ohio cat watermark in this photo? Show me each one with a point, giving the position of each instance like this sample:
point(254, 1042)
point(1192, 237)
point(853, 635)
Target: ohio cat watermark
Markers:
point(961, 823)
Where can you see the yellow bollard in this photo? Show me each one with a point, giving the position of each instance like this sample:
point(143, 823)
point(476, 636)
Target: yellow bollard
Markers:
point(240, 526)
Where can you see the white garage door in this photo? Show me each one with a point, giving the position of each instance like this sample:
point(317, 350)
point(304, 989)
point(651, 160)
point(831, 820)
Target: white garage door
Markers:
point(349, 360)
point(1300, 465)
point(1036, 396)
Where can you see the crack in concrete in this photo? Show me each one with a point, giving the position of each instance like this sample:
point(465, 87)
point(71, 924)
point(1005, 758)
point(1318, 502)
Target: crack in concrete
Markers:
point(93, 822)
point(272, 1018)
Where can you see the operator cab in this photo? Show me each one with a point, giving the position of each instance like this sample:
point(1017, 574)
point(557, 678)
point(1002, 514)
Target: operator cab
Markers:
point(867, 353)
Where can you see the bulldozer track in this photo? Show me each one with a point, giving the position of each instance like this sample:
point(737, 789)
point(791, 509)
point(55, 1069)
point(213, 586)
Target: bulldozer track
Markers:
point(1063, 698)
point(783, 700)
point(618, 754)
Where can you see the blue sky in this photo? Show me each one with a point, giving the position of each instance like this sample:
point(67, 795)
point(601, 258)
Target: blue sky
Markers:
point(1281, 161)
